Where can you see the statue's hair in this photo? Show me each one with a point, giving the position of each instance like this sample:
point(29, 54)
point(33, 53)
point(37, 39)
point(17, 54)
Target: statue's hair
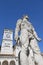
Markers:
point(24, 16)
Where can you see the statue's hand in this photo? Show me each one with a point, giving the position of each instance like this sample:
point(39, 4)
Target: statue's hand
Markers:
point(39, 39)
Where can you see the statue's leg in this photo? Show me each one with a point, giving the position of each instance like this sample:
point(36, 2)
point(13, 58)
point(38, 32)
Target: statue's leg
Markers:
point(24, 41)
point(31, 60)
point(31, 57)
point(23, 58)
point(38, 59)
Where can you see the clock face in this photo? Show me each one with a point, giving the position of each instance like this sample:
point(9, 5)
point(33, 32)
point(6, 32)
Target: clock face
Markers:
point(7, 35)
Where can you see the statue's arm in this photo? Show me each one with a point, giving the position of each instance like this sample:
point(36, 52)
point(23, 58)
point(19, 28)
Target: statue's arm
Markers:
point(35, 34)
point(32, 30)
point(17, 29)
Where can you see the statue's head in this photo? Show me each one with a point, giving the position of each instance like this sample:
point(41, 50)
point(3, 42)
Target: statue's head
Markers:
point(26, 17)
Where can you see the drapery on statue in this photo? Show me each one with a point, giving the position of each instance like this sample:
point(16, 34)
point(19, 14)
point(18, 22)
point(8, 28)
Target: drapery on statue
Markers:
point(28, 38)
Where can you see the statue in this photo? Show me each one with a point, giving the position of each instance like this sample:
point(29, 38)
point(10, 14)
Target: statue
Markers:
point(28, 38)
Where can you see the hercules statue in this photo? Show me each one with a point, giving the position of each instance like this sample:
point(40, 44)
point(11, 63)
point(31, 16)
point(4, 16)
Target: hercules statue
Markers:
point(28, 38)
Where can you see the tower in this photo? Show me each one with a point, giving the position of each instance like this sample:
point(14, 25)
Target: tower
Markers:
point(7, 42)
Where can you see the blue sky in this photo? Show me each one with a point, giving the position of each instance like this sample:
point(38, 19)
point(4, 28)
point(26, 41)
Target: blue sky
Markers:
point(12, 10)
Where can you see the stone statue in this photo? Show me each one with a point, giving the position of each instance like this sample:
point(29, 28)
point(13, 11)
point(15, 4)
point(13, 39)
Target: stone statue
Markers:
point(28, 38)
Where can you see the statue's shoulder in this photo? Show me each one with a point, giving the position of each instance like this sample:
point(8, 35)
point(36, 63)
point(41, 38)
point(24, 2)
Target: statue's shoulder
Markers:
point(19, 21)
point(29, 23)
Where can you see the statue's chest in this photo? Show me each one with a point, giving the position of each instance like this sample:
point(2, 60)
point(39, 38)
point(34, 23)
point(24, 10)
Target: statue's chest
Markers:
point(23, 25)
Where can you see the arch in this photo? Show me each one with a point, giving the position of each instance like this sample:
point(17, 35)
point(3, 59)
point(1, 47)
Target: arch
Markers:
point(5, 62)
point(12, 62)
point(0, 63)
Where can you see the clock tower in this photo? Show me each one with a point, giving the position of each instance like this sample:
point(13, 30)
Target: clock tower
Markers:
point(7, 42)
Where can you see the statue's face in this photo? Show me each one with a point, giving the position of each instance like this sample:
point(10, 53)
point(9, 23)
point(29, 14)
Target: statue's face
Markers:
point(26, 17)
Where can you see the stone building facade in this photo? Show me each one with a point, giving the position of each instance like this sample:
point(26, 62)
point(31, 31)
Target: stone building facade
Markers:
point(7, 50)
